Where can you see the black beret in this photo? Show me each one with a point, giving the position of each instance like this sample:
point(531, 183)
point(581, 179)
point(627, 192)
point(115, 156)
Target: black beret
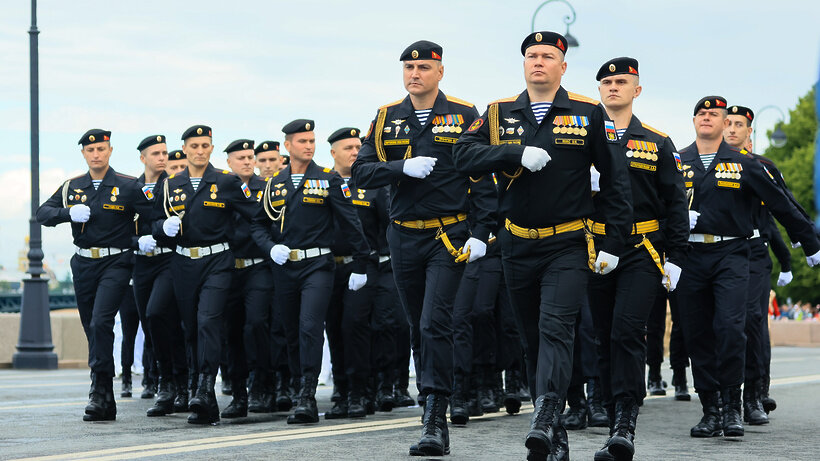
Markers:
point(266, 146)
point(176, 155)
point(150, 141)
point(344, 133)
point(94, 135)
point(239, 144)
point(618, 66)
point(710, 102)
point(196, 130)
point(544, 38)
point(741, 110)
point(300, 125)
point(285, 159)
point(422, 49)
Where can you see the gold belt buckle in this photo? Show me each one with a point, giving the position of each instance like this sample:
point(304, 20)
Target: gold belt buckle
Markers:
point(708, 238)
point(194, 252)
point(95, 253)
point(420, 224)
point(239, 263)
point(533, 234)
point(293, 255)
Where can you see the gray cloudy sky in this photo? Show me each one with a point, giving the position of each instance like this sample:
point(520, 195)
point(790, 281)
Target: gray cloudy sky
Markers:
point(247, 67)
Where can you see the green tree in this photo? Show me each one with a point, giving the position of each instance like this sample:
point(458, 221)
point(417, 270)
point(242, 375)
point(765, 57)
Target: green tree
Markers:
point(796, 161)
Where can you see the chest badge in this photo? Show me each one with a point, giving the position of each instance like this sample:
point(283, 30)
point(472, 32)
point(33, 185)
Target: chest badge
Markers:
point(214, 190)
point(114, 193)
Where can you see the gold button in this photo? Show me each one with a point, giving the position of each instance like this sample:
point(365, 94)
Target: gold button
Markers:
point(419, 224)
point(533, 234)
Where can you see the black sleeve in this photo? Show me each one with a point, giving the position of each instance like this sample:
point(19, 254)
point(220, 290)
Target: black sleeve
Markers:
point(347, 220)
point(158, 216)
point(52, 212)
point(670, 188)
point(474, 155)
point(483, 207)
point(261, 225)
point(778, 246)
point(369, 172)
point(241, 198)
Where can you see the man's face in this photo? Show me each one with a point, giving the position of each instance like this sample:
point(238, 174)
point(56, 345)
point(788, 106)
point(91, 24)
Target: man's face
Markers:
point(155, 157)
point(738, 131)
point(618, 91)
point(175, 166)
point(198, 150)
point(97, 155)
point(544, 64)
point(344, 153)
point(709, 123)
point(242, 162)
point(301, 146)
point(268, 163)
point(422, 76)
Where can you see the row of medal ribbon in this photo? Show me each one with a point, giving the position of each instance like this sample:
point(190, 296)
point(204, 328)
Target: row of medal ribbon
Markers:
point(570, 124)
point(642, 150)
point(317, 187)
point(450, 123)
point(728, 170)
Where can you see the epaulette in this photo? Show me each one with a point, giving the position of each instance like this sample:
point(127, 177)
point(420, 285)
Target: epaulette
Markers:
point(510, 99)
point(172, 176)
point(460, 101)
point(126, 176)
point(275, 174)
point(391, 104)
point(326, 170)
point(654, 130)
point(226, 171)
point(736, 150)
point(582, 98)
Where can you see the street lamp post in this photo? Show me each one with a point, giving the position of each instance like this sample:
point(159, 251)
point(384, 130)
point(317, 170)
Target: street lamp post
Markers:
point(572, 42)
point(778, 137)
point(34, 348)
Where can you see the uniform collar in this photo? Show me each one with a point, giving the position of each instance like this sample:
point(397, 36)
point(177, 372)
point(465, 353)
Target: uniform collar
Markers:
point(210, 173)
point(632, 131)
point(522, 103)
point(407, 111)
point(110, 177)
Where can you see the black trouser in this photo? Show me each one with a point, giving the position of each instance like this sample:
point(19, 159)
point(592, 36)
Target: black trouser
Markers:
point(154, 289)
point(547, 282)
point(248, 320)
point(348, 324)
point(130, 322)
point(99, 285)
point(485, 309)
point(510, 342)
point(385, 321)
point(656, 329)
point(463, 317)
point(620, 302)
point(201, 288)
point(303, 293)
point(584, 352)
point(757, 327)
point(712, 296)
point(427, 279)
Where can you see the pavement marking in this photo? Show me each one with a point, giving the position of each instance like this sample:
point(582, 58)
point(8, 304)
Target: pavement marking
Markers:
point(795, 379)
point(12, 375)
point(58, 384)
point(58, 404)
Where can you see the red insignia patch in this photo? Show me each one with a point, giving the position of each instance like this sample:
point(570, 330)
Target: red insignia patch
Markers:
point(475, 125)
point(720, 103)
point(560, 45)
point(632, 70)
point(436, 55)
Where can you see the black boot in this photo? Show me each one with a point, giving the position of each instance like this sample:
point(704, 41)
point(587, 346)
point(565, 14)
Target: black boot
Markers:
point(181, 399)
point(260, 396)
point(543, 426)
point(339, 409)
point(283, 402)
point(709, 425)
point(621, 443)
point(512, 399)
point(306, 411)
point(470, 392)
point(356, 405)
point(575, 418)
point(560, 445)
point(459, 414)
point(227, 387)
point(165, 398)
point(101, 405)
point(384, 395)
point(369, 395)
point(596, 413)
point(149, 385)
point(486, 397)
point(295, 390)
point(732, 423)
point(498, 388)
point(238, 408)
point(435, 437)
point(654, 383)
point(681, 386)
point(753, 412)
point(126, 383)
point(203, 405)
point(769, 404)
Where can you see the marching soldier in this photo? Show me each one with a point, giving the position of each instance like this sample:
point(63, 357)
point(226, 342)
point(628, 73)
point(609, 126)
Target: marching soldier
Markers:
point(622, 300)
point(542, 144)
point(409, 146)
point(100, 205)
point(724, 185)
point(196, 206)
point(295, 227)
point(177, 161)
point(268, 158)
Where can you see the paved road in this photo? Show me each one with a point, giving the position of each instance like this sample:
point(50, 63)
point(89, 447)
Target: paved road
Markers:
point(50, 427)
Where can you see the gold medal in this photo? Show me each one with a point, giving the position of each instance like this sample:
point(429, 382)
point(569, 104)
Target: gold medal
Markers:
point(182, 197)
point(564, 130)
point(435, 129)
point(690, 173)
point(654, 157)
point(278, 192)
point(458, 129)
point(213, 196)
point(284, 192)
point(113, 198)
point(83, 198)
point(556, 130)
point(361, 196)
point(583, 131)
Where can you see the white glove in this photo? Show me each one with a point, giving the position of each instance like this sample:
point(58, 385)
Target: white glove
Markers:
point(784, 279)
point(418, 167)
point(171, 226)
point(594, 179)
point(605, 263)
point(534, 158)
point(796, 245)
point(79, 213)
point(671, 275)
point(813, 260)
point(279, 254)
point(476, 247)
point(693, 219)
point(356, 281)
point(147, 243)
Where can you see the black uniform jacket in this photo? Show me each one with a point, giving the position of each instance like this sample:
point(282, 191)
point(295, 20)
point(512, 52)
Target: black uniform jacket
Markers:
point(560, 192)
point(372, 207)
point(242, 243)
point(726, 194)
point(113, 207)
point(309, 212)
point(145, 222)
point(444, 191)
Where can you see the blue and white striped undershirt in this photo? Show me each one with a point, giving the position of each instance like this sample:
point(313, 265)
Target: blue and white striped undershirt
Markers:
point(195, 182)
point(707, 159)
point(96, 183)
point(621, 132)
point(540, 109)
point(422, 115)
point(151, 185)
point(296, 179)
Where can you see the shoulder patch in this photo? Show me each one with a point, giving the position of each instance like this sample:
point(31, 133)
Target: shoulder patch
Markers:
point(392, 104)
point(654, 130)
point(510, 99)
point(275, 174)
point(326, 170)
point(226, 172)
point(582, 98)
point(172, 176)
point(460, 101)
